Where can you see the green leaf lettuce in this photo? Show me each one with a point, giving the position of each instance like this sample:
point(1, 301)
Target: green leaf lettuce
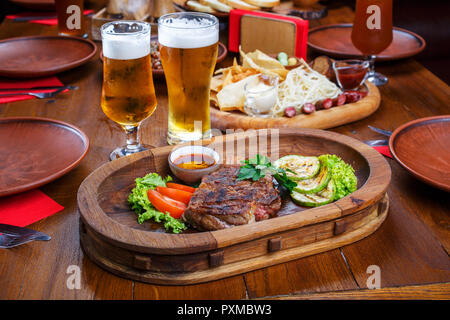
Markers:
point(342, 174)
point(138, 201)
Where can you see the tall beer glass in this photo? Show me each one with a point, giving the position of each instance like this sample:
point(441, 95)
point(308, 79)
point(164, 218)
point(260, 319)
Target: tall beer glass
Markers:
point(372, 32)
point(188, 49)
point(128, 94)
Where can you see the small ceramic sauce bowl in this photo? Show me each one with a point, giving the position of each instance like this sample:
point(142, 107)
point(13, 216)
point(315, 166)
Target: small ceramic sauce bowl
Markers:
point(191, 176)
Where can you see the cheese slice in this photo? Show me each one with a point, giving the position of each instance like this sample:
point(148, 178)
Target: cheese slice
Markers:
point(232, 96)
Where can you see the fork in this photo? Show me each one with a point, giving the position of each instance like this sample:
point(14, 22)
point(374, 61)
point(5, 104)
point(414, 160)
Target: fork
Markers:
point(10, 241)
point(12, 236)
point(40, 95)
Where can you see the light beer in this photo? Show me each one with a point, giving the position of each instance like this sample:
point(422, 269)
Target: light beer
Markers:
point(70, 17)
point(128, 95)
point(188, 50)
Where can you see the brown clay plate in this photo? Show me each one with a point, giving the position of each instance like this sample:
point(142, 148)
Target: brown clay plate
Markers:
point(38, 56)
point(335, 40)
point(40, 5)
point(36, 151)
point(422, 147)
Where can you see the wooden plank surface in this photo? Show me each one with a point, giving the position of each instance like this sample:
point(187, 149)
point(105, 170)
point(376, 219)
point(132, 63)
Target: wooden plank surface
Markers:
point(430, 291)
point(411, 247)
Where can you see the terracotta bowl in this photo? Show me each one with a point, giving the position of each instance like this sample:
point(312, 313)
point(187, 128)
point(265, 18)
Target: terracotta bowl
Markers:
point(422, 147)
point(192, 176)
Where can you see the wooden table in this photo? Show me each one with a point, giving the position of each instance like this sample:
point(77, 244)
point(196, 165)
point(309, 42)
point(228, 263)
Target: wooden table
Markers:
point(411, 247)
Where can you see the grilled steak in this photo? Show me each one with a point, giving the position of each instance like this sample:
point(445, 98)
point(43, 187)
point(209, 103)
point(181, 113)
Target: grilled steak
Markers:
point(221, 201)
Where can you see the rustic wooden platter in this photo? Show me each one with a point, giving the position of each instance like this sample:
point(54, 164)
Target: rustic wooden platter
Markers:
point(321, 119)
point(112, 238)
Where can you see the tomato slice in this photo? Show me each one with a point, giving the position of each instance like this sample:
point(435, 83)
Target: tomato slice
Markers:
point(179, 195)
point(165, 204)
point(180, 187)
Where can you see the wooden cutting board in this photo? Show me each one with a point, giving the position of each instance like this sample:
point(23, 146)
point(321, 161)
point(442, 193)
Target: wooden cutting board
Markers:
point(111, 236)
point(321, 119)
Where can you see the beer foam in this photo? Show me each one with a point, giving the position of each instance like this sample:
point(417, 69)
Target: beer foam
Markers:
point(187, 34)
point(125, 47)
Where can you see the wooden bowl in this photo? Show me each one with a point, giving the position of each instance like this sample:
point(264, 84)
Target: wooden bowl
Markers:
point(422, 147)
point(111, 236)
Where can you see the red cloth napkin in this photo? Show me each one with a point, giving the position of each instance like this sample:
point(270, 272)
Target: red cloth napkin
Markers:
point(384, 150)
point(26, 208)
point(27, 83)
point(49, 22)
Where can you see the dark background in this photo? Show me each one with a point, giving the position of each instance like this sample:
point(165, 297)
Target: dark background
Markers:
point(428, 18)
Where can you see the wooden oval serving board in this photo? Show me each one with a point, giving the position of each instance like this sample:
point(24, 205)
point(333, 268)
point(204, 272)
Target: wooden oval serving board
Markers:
point(111, 236)
point(321, 119)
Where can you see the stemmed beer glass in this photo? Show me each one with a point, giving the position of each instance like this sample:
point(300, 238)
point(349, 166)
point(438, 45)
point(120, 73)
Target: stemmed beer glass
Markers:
point(128, 94)
point(372, 32)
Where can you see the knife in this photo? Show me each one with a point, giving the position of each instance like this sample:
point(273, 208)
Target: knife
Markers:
point(22, 232)
point(377, 143)
point(381, 131)
point(23, 19)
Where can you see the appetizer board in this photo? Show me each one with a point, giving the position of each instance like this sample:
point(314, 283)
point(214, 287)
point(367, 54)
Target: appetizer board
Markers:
point(112, 238)
point(321, 119)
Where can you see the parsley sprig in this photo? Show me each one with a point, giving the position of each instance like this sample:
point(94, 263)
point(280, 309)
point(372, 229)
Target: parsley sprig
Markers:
point(257, 168)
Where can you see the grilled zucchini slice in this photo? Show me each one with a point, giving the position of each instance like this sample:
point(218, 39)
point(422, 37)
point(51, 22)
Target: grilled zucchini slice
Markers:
point(325, 196)
point(302, 167)
point(315, 184)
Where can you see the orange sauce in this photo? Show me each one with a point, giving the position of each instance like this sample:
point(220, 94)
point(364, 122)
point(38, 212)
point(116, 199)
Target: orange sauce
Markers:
point(194, 161)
